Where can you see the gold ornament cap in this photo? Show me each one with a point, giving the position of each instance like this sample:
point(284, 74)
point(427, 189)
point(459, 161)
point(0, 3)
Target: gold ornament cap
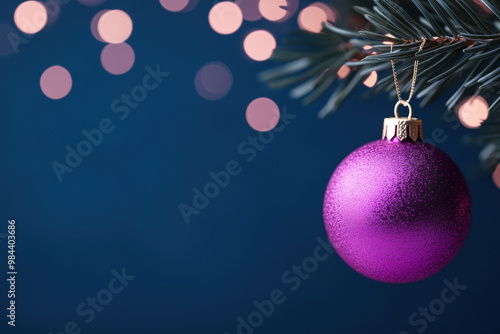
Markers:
point(403, 127)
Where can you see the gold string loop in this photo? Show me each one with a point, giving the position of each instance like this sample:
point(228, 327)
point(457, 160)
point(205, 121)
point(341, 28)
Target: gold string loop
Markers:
point(404, 104)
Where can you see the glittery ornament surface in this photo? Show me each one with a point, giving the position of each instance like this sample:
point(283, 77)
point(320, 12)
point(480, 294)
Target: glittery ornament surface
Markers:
point(396, 211)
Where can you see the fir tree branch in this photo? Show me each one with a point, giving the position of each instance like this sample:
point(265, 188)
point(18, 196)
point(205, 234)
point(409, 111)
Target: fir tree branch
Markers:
point(461, 55)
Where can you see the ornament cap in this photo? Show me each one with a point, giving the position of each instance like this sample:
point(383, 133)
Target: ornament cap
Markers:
point(403, 128)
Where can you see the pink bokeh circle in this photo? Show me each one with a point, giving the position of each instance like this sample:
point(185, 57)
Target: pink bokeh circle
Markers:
point(115, 26)
point(30, 17)
point(174, 5)
point(263, 114)
point(213, 81)
point(259, 45)
point(473, 111)
point(56, 82)
point(225, 17)
point(313, 16)
point(117, 58)
point(278, 10)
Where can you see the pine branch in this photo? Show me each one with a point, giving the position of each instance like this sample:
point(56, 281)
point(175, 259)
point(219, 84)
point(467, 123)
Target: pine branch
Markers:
point(461, 57)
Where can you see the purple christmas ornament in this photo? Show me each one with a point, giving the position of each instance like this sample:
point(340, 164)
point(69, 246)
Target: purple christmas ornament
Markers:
point(397, 210)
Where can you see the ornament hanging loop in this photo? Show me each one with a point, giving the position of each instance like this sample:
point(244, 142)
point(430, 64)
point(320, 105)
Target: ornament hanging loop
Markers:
point(404, 104)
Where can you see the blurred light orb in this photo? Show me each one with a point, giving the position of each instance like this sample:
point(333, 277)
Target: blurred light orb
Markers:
point(115, 26)
point(9, 40)
point(278, 10)
point(91, 3)
point(56, 82)
point(117, 58)
point(250, 9)
point(389, 42)
point(95, 22)
point(473, 112)
point(225, 17)
point(30, 17)
point(263, 114)
point(213, 81)
point(313, 16)
point(496, 176)
point(272, 9)
point(174, 5)
point(371, 80)
point(259, 45)
point(343, 71)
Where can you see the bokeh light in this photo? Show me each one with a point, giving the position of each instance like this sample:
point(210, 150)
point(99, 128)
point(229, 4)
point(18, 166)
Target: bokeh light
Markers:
point(371, 80)
point(56, 82)
point(95, 22)
point(9, 40)
point(30, 17)
point(496, 176)
point(115, 26)
point(473, 112)
point(263, 114)
point(225, 17)
point(343, 71)
point(117, 58)
point(272, 9)
point(389, 42)
point(278, 10)
point(313, 16)
point(250, 9)
point(174, 5)
point(213, 81)
point(91, 3)
point(259, 45)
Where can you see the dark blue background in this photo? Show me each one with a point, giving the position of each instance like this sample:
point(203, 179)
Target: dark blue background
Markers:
point(119, 208)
